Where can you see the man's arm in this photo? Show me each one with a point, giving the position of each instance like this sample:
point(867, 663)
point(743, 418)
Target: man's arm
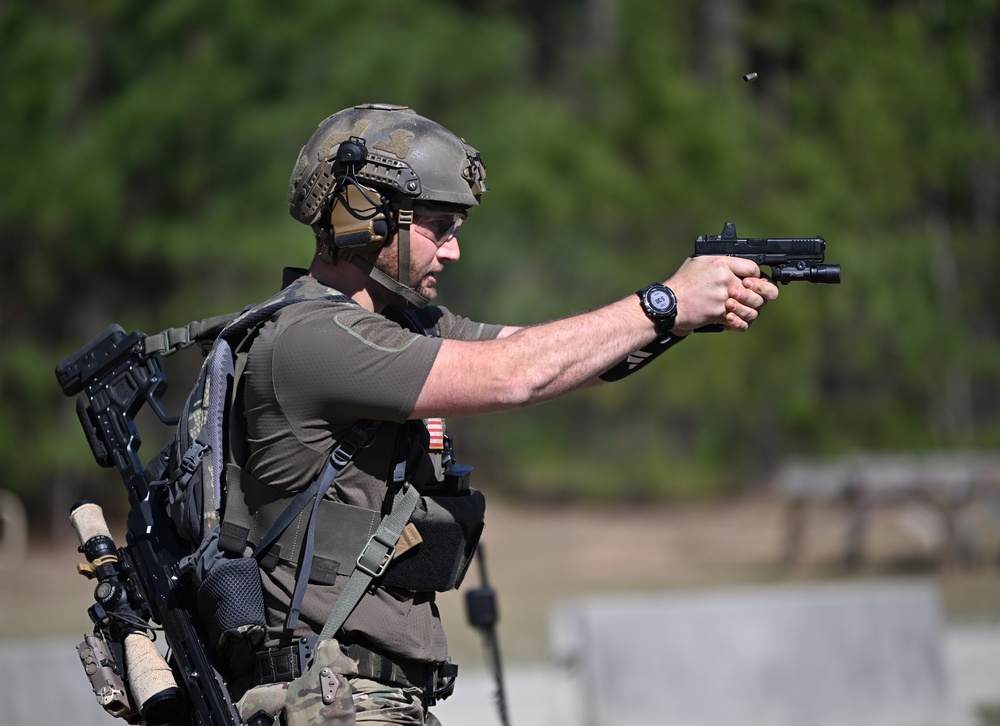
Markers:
point(525, 366)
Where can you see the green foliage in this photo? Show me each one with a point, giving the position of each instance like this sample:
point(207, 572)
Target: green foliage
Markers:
point(147, 149)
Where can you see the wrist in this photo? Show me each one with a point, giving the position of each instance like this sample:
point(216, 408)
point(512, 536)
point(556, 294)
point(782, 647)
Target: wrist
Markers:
point(659, 303)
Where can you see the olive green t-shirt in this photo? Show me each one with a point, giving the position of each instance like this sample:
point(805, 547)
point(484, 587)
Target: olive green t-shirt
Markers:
point(315, 369)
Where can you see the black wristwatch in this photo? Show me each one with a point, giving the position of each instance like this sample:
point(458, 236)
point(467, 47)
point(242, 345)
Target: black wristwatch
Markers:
point(660, 305)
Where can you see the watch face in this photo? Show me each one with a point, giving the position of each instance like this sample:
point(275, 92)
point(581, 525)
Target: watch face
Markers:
point(660, 300)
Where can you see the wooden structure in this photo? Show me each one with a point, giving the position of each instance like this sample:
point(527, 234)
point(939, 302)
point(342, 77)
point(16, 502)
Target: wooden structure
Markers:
point(946, 484)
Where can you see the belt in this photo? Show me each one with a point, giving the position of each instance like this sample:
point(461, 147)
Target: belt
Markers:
point(436, 679)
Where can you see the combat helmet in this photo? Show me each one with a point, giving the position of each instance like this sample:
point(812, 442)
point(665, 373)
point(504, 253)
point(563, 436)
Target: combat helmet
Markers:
point(358, 178)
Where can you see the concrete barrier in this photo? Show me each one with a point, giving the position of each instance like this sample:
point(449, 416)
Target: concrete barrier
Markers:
point(824, 655)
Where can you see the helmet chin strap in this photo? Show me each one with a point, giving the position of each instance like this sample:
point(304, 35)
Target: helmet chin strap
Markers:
point(401, 285)
point(394, 286)
point(404, 218)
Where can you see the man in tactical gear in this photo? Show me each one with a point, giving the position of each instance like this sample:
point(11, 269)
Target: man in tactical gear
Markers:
point(385, 191)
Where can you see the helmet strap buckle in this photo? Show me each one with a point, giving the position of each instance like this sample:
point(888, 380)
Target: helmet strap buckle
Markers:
point(404, 218)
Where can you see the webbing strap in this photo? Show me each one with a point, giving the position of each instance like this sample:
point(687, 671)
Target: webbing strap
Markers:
point(190, 460)
point(404, 221)
point(361, 435)
point(308, 549)
point(387, 281)
point(172, 340)
point(374, 558)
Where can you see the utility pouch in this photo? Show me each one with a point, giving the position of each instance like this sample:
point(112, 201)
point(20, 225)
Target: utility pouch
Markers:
point(322, 694)
point(230, 601)
point(449, 527)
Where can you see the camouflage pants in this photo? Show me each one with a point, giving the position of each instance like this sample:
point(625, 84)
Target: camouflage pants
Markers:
point(349, 699)
point(377, 703)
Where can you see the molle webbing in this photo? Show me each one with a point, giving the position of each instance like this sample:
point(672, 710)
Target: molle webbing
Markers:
point(341, 531)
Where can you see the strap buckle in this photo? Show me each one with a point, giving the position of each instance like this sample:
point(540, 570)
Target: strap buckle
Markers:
point(360, 437)
point(379, 562)
point(169, 341)
point(193, 456)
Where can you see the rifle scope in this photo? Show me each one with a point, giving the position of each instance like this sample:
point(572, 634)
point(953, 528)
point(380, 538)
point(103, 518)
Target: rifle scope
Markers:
point(150, 681)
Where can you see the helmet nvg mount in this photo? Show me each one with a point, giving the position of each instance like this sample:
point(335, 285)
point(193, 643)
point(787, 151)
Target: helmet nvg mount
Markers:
point(358, 177)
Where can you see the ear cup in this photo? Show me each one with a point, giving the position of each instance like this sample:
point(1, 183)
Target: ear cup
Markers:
point(359, 226)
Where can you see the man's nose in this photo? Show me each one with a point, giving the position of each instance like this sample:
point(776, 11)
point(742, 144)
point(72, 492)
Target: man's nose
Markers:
point(449, 251)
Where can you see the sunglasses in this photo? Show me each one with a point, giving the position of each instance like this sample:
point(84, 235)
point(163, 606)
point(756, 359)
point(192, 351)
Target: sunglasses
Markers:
point(443, 224)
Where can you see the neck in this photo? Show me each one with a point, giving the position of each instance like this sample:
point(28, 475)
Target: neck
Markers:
point(349, 280)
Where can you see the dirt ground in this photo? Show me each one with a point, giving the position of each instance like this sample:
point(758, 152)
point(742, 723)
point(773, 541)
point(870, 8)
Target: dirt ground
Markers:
point(539, 556)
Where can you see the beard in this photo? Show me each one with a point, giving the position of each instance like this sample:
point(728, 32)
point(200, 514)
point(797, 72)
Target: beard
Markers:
point(387, 260)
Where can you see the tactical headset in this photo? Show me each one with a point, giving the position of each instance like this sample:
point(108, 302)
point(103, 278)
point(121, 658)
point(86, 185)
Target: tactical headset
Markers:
point(362, 220)
point(360, 217)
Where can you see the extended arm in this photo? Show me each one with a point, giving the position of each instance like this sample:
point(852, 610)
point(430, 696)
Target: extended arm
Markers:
point(530, 365)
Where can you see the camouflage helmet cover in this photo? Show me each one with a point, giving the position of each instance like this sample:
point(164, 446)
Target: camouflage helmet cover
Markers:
point(408, 156)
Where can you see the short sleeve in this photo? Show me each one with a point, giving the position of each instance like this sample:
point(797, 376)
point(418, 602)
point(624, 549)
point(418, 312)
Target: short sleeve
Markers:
point(350, 364)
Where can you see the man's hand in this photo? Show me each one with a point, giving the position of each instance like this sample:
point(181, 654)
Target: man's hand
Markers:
point(727, 291)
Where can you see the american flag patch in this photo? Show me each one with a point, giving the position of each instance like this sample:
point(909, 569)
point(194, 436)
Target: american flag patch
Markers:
point(435, 427)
